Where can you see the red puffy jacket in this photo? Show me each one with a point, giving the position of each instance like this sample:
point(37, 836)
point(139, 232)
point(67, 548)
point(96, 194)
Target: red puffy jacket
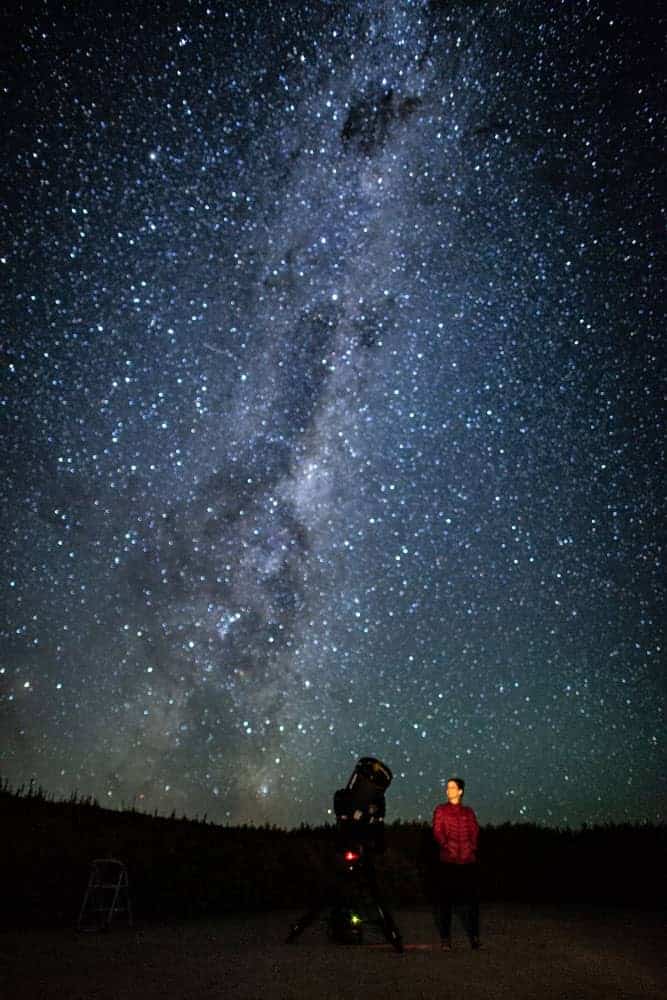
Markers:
point(456, 831)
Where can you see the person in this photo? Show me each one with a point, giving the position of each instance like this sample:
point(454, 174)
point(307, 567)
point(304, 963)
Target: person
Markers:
point(456, 833)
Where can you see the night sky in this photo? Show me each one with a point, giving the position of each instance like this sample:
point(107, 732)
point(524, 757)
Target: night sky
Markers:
point(332, 406)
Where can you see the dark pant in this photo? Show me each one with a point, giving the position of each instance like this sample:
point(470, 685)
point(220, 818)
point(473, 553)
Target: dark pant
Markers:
point(458, 889)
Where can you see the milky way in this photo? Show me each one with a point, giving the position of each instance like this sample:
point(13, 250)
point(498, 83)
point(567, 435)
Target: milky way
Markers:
point(332, 407)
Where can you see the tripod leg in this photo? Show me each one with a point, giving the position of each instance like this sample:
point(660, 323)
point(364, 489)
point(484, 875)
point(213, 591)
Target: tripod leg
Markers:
point(305, 921)
point(389, 928)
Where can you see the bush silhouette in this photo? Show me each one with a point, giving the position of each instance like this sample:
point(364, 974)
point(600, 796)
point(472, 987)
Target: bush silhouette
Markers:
point(181, 867)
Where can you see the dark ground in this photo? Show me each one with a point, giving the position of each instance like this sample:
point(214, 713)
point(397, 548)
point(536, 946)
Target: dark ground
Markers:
point(528, 952)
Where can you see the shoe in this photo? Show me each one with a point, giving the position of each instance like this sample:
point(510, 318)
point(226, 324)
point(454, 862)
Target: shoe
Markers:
point(445, 945)
point(475, 943)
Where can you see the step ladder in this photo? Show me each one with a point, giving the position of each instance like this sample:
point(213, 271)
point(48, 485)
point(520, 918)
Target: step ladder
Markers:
point(107, 894)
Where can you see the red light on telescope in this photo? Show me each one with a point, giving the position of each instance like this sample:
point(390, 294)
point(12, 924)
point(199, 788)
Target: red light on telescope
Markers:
point(351, 856)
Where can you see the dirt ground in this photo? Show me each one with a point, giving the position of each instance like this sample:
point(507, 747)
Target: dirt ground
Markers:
point(528, 952)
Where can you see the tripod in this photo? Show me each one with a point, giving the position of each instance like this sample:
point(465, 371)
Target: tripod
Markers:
point(356, 889)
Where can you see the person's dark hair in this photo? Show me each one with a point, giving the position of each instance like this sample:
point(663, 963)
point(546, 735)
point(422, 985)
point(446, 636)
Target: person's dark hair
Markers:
point(460, 782)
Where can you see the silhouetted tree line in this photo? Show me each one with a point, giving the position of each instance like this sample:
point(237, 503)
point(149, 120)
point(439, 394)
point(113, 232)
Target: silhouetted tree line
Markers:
point(180, 867)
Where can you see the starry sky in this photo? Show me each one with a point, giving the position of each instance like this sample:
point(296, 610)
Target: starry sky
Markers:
point(332, 406)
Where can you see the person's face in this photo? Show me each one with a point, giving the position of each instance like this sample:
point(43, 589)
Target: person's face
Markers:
point(454, 793)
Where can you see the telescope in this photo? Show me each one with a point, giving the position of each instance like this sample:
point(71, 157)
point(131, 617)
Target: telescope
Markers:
point(360, 806)
point(359, 810)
